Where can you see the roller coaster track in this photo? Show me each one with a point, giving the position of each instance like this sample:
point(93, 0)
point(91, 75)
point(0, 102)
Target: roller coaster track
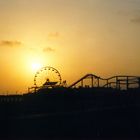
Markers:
point(118, 82)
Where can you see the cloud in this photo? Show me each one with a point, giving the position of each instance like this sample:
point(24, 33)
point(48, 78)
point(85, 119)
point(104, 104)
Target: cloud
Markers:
point(135, 20)
point(10, 43)
point(54, 35)
point(48, 49)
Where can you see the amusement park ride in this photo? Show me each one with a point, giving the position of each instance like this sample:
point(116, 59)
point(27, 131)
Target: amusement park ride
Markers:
point(90, 107)
point(49, 77)
point(46, 77)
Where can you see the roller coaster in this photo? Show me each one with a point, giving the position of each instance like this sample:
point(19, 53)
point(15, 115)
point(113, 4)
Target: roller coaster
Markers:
point(49, 77)
point(121, 82)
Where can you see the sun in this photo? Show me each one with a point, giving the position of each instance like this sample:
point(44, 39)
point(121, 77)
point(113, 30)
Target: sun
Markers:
point(36, 66)
point(34, 63)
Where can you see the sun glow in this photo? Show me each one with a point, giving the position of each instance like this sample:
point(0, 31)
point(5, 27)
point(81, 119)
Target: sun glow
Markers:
point(36, 66)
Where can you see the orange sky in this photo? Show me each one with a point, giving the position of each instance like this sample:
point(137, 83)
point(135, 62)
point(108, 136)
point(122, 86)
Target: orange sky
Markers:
point(74, 36)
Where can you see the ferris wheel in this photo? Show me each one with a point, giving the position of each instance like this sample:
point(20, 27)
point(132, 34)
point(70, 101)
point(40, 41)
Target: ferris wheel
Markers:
point(47, 77)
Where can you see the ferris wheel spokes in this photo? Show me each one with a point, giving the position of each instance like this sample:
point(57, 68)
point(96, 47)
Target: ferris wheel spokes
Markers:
point(47, 77)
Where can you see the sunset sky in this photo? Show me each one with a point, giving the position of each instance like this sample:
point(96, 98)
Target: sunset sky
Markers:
point(74, 36)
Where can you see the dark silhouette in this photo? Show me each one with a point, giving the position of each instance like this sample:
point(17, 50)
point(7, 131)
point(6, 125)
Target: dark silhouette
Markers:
point(100, 108)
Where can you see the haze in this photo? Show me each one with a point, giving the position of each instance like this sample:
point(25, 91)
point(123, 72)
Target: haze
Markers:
point(74, 36)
